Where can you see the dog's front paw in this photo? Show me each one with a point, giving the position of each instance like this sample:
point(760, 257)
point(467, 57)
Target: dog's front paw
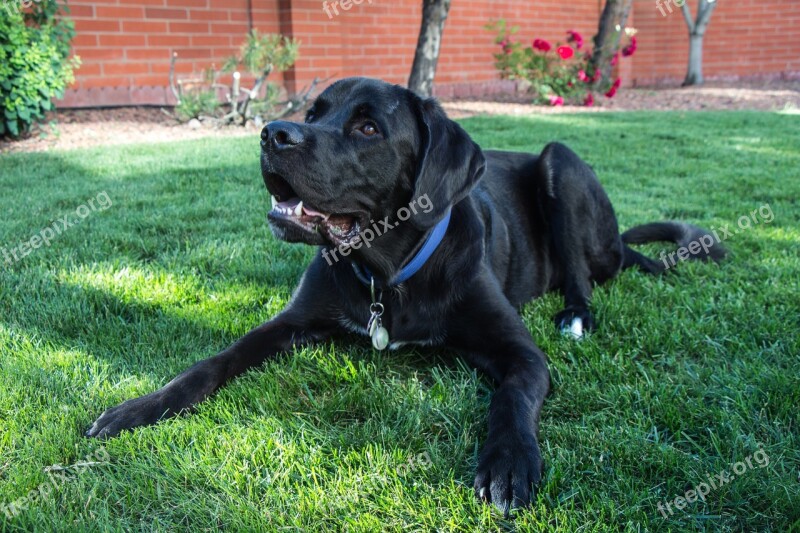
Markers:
point(141, 411)
point(575, 322)
point(509, 470)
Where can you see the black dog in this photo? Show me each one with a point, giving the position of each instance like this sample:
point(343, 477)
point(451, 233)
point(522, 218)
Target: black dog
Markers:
point(426, 239)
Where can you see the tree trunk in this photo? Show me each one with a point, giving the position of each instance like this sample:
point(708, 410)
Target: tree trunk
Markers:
point(697, 30)
point(434, 14)
point(606, 42)
point(694, 75)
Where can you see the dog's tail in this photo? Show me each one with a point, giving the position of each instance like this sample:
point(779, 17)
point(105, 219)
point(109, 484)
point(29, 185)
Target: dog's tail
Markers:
point(693, 242)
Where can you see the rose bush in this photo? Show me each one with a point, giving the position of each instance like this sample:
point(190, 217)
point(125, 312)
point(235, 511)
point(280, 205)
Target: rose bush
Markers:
point(557, 74)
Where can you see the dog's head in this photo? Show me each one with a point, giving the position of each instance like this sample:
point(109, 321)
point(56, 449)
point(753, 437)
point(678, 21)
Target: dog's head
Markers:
point(366, 150)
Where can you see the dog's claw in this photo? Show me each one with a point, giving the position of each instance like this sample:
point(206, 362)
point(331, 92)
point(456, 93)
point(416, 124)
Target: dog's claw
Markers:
point(509, 470)
point(133, 413)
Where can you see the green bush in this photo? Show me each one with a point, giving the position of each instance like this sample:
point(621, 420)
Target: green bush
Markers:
point(35, 66)
point(196, 104)
point(260, 55)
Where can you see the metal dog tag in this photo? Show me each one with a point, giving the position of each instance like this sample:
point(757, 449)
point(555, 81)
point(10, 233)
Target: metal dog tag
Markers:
point(380, 339)
point(378, 333)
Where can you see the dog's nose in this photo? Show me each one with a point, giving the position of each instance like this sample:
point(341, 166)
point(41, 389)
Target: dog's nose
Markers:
point(281, 135)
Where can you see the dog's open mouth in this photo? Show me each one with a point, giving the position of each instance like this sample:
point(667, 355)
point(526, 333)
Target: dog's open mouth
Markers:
point(298, 221)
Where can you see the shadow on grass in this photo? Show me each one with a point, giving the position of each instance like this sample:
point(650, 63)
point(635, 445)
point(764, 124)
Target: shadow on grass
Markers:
point(175, 270)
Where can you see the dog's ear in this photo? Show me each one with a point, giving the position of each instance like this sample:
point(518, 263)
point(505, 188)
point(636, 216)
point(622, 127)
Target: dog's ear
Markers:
point(449, 165)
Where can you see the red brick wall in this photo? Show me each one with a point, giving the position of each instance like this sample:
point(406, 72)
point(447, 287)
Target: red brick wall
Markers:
point(125, 45)
point(378, 39)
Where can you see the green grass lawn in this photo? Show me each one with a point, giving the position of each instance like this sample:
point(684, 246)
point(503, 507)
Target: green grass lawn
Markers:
point(688, 374)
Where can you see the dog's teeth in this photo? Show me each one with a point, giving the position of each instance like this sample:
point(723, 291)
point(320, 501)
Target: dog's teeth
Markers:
point(298, 210)
point(274, 202)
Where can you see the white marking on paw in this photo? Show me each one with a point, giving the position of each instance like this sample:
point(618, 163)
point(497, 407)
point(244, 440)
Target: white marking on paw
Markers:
point(575, 329)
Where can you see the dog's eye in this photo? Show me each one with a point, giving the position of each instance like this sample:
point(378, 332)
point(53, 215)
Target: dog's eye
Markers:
point(369, 129)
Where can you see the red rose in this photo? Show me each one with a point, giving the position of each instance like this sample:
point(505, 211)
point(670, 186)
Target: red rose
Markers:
point(589, 100)
point(541, 44)
point(631, 48)
point(565, 52)
point(598, 75)
point(613, 90)
point(556, 100)
point(583, 77)
point(615, 60)
point(575, 37)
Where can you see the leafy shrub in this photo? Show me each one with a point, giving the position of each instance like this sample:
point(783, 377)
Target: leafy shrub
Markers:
point(557, 73)
point(260, 55)
point(263, 54)
point(195, 104)
point(34, 63)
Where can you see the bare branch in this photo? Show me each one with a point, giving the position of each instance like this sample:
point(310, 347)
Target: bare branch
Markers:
point(704, 15)
point(704, 10)
point(298, 102)
point(235, 92)
point(170, 115)
point(175, 91)
point(254, 92)
point(687, 16)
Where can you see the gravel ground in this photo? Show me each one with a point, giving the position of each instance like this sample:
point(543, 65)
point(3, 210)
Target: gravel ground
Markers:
point(762, 96)
point(82, 128)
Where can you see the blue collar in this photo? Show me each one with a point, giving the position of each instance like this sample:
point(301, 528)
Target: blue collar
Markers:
point(417, 262)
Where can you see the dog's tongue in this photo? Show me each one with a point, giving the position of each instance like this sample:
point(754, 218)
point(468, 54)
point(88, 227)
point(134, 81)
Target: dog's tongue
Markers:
point(308, 211)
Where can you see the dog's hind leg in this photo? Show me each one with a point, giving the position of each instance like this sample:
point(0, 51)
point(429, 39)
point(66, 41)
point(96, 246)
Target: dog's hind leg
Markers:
point(585, 241)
